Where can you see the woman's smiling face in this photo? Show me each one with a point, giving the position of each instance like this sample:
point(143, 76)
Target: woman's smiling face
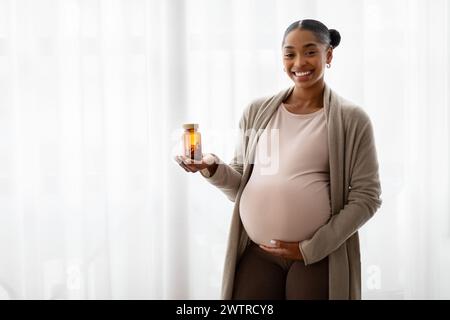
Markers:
point(305, 58)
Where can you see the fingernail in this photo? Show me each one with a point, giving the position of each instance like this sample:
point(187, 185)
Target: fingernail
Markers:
point(273, 241)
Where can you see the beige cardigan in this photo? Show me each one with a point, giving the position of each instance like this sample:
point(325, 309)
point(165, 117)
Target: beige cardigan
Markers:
point(354, 183)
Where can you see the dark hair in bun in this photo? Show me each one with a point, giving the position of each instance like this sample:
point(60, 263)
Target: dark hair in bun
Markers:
point(335, 38)
point(330, 37)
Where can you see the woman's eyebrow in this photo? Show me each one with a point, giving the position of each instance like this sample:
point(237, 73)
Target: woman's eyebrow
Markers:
point(305, 46)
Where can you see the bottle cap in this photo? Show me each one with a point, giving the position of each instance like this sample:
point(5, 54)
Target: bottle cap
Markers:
point(187, 126)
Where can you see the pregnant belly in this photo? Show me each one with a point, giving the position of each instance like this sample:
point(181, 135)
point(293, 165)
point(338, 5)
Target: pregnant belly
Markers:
point(288, 211)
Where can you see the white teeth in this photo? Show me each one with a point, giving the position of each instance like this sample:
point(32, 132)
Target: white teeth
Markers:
point(301, 74)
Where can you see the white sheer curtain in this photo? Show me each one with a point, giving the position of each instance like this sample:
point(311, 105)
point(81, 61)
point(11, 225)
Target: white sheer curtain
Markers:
point(92, 97)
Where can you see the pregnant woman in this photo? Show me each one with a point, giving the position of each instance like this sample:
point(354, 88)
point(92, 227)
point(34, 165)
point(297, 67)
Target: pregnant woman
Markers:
point(304, 179)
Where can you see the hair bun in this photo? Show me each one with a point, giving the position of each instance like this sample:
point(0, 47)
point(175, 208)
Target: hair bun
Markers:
point(335, 37)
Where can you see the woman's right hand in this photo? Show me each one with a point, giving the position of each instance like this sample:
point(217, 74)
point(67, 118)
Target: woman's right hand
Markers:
point(208, 161)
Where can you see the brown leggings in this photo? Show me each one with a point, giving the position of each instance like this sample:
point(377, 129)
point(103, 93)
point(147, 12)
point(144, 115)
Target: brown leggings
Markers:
point(262, 275)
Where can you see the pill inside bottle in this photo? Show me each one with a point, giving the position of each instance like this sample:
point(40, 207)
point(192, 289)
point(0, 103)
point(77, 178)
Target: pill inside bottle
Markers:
point(192, 142)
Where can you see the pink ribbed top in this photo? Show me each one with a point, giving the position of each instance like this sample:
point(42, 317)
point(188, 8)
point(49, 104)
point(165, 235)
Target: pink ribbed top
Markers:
point(288, 194)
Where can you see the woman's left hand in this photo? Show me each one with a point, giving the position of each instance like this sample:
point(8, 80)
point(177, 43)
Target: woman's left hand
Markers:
point(288, 250)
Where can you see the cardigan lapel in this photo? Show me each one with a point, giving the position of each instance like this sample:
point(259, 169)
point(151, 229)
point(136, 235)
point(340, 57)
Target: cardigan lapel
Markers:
point(338, 280)
point(336, 141)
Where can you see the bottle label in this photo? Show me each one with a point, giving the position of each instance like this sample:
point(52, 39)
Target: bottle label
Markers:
point(192, 146)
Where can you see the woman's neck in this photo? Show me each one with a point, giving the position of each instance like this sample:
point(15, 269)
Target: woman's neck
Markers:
point(311, 97)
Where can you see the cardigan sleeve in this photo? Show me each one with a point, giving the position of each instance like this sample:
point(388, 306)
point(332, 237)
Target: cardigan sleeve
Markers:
point(363, 200)
point(228, 176)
